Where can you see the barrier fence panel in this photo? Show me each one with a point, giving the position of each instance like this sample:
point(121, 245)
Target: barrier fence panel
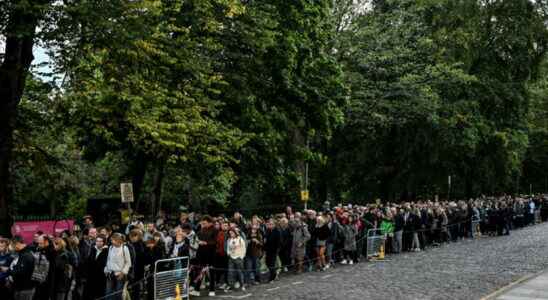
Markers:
point(171, 278)
point(375, 243)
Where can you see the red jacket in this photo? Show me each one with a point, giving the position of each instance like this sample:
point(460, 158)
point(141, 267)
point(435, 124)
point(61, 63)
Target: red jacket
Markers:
point(221, 243)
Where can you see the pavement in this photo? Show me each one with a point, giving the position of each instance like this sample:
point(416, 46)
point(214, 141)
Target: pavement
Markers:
point(469, 269)
point(529, 288)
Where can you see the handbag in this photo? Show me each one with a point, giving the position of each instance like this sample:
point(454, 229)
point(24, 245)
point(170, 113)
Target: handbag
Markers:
point(125, 292)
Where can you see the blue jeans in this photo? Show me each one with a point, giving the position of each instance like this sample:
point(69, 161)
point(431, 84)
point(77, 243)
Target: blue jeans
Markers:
point(24, 295)
point(236, 269)
point(114, 288)
point(329, 253)
point(252, 265)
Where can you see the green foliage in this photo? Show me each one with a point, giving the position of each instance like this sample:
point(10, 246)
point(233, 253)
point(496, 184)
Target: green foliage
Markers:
point(434, 94)
point(220, 104)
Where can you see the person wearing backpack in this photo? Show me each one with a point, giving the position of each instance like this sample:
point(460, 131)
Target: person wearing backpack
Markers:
point(22, 271)
point(117, 268)
point(75, 288)
point(44, 254)
point(62, 270)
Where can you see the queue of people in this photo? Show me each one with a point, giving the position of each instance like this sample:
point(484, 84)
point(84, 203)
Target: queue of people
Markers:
point(234, 253)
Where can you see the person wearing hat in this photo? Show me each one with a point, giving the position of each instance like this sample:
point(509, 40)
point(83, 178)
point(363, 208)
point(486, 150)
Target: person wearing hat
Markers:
point(21, 272)
point(87, 222)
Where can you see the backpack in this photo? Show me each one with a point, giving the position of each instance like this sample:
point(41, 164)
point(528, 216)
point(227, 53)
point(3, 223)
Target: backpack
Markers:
point(69, 266)
point(41, 268)
point(131, 250)
point(73, 259)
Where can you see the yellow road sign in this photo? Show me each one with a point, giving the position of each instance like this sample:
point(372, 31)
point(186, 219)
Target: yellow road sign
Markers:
point(304, 195)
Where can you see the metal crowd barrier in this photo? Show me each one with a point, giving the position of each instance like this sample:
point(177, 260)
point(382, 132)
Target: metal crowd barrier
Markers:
point(375, 243)
point(171, 278)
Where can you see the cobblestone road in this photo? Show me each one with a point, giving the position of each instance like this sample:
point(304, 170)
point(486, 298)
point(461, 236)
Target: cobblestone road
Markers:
point(468, 269)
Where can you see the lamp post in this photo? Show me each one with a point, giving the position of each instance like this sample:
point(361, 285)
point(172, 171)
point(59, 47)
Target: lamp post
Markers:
point(448, 187)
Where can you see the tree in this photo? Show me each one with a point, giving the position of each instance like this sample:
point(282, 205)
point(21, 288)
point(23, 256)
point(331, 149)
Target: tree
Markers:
point(423, 82)
point(19, 23)
point(284, 91)
point(150, 92)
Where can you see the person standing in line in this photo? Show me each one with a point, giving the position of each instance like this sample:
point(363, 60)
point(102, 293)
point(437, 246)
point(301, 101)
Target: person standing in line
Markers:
point(301, 236)
point(350, 246)
point(117, 267)
point(45, 291)
point(5, 261)
point(97, 260)
point(63, 271)
point(235, 251)
point(286, 241)
point(21, 271)
point(322, 234)
point(137, 250)
point(205, 255)
point(398, 230)
point(271, 247)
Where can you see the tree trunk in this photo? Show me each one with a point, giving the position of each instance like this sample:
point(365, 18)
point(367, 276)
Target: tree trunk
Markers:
point(20, 34)
point(138, 172)
point(157, 190)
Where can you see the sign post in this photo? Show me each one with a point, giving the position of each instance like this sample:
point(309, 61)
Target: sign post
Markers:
point(304, 198)
point(126, 191)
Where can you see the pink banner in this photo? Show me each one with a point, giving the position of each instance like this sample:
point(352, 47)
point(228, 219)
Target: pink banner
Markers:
point(27, 229)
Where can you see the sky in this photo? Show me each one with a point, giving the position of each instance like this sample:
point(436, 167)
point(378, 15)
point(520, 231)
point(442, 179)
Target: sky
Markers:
point(40, 56)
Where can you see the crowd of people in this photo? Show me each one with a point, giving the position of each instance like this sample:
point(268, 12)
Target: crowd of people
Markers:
point(233, 253)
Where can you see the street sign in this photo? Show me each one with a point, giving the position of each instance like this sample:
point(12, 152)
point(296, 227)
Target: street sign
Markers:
point(126, 190)
point(304, 196)
point(126, 216)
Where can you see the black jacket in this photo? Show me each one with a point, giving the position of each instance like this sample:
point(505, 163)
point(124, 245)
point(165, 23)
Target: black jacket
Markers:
point(95, 285)
point(139, 260)
point(62, 272)
point(152, 255)
point(322, 233)
point(22, 271)
point(183, 251)
point(85, 248)
point(398, 222)
point(272, 241)
point(286, 239)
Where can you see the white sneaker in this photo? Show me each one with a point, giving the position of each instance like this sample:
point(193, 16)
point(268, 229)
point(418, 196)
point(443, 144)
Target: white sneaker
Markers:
point(237, 285)
point(344, 262)
point(351, 262)
point(327, 266)
point(243, 288)
point(211, 294)
point(194, 293)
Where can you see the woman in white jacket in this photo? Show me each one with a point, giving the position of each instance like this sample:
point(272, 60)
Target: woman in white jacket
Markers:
point(235, 250)
point(117, 268)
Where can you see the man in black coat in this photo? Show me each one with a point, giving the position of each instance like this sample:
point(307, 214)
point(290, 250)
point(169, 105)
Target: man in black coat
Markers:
point(21, 272)
point(398, 232)
point(137, 250)
point(271, 247)
point(45, 290)
point(97, 260)
point(286, 242)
